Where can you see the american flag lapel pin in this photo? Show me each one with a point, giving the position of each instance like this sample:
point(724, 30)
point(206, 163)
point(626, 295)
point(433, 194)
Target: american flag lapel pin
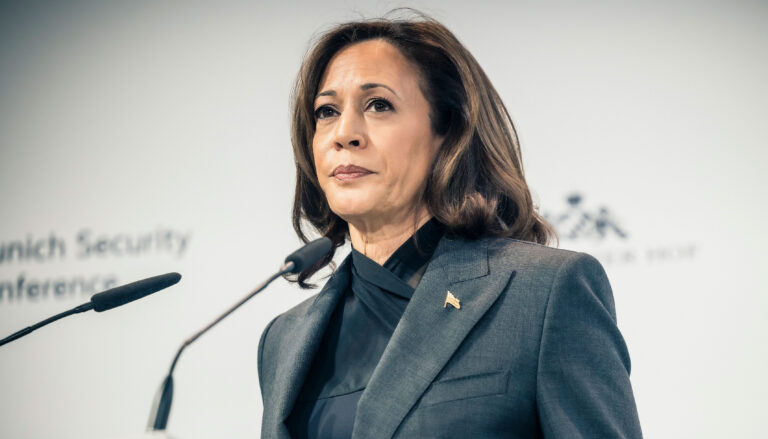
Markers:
point(453, 300)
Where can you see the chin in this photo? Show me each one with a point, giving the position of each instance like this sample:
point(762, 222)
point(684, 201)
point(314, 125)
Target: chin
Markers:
point(352, 205)
point(350, 213)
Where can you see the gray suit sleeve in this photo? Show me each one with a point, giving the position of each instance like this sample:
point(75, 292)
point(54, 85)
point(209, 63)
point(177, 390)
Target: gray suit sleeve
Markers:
point(583, 388)
point(260, 360)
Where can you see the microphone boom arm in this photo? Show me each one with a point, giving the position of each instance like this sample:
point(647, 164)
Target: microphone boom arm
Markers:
point(161, 409)
point(21, 333)
point(297, 261)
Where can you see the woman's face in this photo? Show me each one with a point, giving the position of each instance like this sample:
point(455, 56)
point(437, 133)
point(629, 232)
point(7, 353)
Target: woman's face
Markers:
point(373, 145)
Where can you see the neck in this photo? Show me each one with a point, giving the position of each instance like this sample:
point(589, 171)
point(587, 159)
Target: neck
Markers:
point(378, 241)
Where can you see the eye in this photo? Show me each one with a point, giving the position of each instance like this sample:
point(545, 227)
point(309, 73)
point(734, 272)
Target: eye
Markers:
point(324, 112)
point(379, 105)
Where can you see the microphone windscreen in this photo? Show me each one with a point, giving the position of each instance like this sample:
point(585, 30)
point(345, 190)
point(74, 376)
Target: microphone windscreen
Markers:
point(136, 290)
point(309, 254)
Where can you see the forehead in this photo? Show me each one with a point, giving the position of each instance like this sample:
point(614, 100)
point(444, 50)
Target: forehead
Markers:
point(370, 61)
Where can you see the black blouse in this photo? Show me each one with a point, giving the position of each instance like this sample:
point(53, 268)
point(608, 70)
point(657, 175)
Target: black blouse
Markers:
point(356, 336)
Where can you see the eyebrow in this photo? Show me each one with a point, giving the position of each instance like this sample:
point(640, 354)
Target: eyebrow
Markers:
point(366, 86)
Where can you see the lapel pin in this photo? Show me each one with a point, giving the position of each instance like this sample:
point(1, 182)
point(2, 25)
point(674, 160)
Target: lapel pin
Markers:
point(453, 300)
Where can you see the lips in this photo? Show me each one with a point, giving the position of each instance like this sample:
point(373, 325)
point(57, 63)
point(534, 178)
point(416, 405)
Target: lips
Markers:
point(350, 172)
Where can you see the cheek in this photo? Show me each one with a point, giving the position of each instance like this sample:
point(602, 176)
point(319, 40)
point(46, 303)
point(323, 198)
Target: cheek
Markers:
point(412, 158)
point(315, 149)
point(318, 157)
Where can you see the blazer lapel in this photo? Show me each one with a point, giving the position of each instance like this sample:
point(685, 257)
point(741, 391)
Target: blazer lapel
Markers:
point(428, 333)
point(300, 351)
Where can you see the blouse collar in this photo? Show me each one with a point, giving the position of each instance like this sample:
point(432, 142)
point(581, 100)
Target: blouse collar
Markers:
point(406, 265)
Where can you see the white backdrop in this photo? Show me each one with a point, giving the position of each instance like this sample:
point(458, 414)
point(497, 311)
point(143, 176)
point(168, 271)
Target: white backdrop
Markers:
point(138, 138)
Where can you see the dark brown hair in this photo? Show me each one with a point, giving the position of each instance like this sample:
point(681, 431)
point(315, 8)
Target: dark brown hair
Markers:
point(476, 187)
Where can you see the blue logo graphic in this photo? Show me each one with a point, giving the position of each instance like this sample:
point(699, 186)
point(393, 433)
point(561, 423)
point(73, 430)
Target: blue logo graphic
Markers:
point(577, 222)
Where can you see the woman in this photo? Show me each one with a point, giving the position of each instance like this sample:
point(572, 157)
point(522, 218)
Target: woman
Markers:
point(448, 319)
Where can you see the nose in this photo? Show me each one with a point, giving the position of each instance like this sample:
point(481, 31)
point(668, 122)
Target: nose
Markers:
point(350, 131)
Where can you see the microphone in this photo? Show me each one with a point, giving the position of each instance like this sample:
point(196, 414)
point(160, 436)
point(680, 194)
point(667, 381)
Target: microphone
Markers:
point(128, 293)
point(294, 263)
point(307, 255)
point(106, 300)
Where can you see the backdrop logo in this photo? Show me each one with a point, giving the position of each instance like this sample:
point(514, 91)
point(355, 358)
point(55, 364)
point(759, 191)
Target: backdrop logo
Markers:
point(579, 222)
point(596, 230)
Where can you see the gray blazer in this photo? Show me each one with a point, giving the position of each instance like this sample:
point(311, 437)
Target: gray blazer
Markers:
point(533, 351)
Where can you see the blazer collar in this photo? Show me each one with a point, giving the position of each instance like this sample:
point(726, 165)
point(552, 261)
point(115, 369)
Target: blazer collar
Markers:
point(424, 340)
point(306, 340)
point(429, 333)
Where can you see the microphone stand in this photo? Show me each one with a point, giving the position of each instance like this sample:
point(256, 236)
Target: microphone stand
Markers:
point(107, 300)
point(161, 409)
point(18, 334)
